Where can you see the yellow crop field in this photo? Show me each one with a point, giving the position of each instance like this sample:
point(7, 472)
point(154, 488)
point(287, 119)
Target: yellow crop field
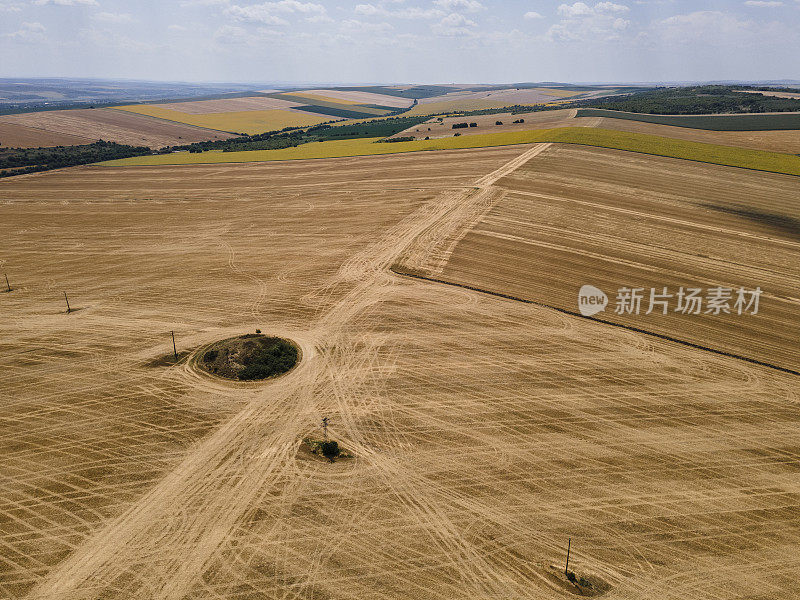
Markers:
point(558, 92)
point(775, 162)
point(250, 122)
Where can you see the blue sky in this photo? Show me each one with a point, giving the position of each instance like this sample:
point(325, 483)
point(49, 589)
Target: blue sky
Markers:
point(397, 41)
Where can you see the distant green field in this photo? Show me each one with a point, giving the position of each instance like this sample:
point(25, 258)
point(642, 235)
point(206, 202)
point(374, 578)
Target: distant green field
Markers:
point(761, 160)
point(329, 111)
point(416, 92)
point(738, 122)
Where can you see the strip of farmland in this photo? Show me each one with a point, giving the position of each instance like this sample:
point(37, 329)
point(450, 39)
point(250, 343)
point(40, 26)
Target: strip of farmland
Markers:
point(741, 122)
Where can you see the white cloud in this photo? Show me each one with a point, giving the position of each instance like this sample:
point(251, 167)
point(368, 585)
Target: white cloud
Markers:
point(581, 22)
point(231, 35)
point(354, 25)
point(265, 12)
point(465, 5)
point(188, 3)
point(413, 12)
point(9, 6)
point(177, 28)
point(66, 2)
point(28, 33)
point(454, 25)
point(367, 9)
point(107, 17)
point(319, 19)
point(709, 26)
point(579, 9)
point(610, 7)
point(290, 6)
point(763, 3)
point(533, 15)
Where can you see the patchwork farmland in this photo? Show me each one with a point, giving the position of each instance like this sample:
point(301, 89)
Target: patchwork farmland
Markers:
point(111, 125)
point(430, 288)
point(188, 120)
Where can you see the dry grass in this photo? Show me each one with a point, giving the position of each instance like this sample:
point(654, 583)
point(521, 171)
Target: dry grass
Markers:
point(485, 431)
point(113, 125)
point(248, 121)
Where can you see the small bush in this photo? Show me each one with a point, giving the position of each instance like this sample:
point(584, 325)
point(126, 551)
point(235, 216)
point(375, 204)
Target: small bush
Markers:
point(457, 135)
point(210, 356)
point(473, 124)
point(583, 582)
point(498, 123)
point(460, 125)
point(330, 449)
point(571, 577)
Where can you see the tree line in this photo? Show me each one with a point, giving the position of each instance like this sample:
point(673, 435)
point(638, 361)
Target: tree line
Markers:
point(19, 161)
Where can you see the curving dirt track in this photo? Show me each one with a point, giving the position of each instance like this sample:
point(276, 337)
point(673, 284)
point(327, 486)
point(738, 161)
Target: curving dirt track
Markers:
point(486, 431)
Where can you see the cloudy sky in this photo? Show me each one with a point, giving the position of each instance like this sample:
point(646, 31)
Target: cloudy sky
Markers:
point(397, 41)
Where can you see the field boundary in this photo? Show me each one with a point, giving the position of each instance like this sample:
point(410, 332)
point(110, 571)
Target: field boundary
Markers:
point(730, 156)
point(398, 270)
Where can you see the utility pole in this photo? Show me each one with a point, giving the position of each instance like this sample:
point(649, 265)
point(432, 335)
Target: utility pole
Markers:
point(8, 285)
point(325, 427)
point(566, 569)
point(69, 310)
point(174, 348)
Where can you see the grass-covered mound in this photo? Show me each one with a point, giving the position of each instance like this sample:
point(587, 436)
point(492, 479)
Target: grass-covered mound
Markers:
point(250, 357)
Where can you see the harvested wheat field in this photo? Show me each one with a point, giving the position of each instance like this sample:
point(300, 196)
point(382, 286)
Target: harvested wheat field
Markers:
point(13, 135)
point(204, 107)
point(485, 432)
point(114, 126)
point(614, 219)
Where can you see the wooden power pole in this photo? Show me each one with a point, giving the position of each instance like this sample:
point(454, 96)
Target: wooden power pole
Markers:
point(69, 310)
point(174, 348)
point(8, 285)
point(566, 568)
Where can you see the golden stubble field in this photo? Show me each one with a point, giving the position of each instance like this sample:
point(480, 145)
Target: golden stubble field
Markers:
point(486, 431)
